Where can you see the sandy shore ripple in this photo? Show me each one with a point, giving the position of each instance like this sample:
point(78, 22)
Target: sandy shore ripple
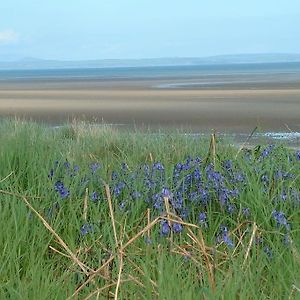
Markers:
point(139, 102)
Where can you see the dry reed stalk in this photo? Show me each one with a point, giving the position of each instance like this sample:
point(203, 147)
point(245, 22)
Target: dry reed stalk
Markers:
point(142, 218)
point(100, 290)
point(18, 195)
point(82, 266)
point(202, 249)
point(57, 251)
point(212, 149)
point(119, 274)
point(136, 281)
point(100, 269)
point(250, 243)
point(293, 290)
point(151, 157)
point(187, 254)
point(140, 270)
point(111, 213)
point(247, 140)
point(6, 177)
point(145, 229)
point(179, 220)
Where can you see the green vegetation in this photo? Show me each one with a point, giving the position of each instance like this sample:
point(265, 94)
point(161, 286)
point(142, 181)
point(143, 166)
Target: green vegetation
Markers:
point(97, 214)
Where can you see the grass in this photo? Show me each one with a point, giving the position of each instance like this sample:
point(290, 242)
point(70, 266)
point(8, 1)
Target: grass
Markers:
point(92, 213)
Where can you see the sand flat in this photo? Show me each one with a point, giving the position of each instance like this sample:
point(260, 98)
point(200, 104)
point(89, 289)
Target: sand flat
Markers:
point(141, 103)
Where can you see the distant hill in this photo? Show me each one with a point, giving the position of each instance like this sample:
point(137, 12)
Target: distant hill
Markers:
point(34, 63)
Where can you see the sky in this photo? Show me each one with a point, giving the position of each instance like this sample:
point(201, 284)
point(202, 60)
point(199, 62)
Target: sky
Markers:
point(104, 29)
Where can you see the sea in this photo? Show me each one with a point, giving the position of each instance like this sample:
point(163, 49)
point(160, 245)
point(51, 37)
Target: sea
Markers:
point(216, 74)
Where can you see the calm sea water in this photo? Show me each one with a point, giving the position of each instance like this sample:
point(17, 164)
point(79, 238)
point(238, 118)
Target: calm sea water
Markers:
point(288, 71)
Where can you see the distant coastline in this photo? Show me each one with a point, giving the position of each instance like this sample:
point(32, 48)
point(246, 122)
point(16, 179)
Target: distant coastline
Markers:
point(34, 63)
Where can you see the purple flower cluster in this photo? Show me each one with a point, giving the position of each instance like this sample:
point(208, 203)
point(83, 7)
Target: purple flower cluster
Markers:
point(197, 191)
point(280, 219)
point(224, 237)
point(61, 189)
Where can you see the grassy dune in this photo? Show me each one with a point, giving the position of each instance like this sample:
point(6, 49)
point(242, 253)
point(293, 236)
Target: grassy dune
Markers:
point(92, 213)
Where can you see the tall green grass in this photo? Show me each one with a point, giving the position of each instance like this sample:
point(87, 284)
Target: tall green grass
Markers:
point(187, 265)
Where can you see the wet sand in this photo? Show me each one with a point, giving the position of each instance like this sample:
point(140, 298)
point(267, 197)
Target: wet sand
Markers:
point(232, 108)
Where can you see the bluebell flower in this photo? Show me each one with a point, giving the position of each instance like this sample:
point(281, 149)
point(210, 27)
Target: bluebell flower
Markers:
point(204, 196)
point(264, 179)
point(177, 200)
point(51, 174)
point(202, 219)
point(298, 155)
point(224, 237)
point(94, 167)
point(124, 167)
point(230, 208)
point(187, 165)
point(165, 228)
point(198, 160)
point(61, 189)
point(94, 196)
point(184, 213)
point(197, 174)
point(268, 251)
point(146, 170)
point(122, 205)
point(149, 183)
point(238, 177)
point(148, 241)
point(227, 240)
point(224, 195)
point(246, 212)
point(258, 240)
point(118, 188)
point(178, 167)
point(166, 193)
point(136, 195)
point(86, 228)
point(234, 193)
point(283, 195)
point(114, 175)
point(158, 166)
point(227, 164)
point(188, 179)
point(177, 227)
point(58, 185)
point(280, 219)
point(266, 152)
point(64, 193)
point(67, 165)
point(158, 201)
point(278, 175)
point(193, 196)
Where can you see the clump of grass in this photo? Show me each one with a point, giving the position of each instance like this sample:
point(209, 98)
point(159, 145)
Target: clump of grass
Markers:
point(93, 213)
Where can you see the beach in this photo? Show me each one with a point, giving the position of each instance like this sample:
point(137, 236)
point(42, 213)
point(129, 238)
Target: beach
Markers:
point(227, 103)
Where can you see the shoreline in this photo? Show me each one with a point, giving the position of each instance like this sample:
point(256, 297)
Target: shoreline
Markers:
point(226, 102)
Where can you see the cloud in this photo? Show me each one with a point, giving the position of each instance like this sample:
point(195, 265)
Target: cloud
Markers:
point(8, 36)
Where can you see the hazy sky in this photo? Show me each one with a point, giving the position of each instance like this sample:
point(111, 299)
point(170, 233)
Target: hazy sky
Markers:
point(96, 29)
